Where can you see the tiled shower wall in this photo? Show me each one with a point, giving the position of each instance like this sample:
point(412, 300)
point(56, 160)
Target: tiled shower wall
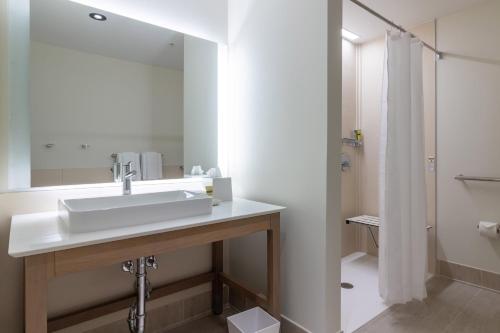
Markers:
point(362, 88)
point(350, 176)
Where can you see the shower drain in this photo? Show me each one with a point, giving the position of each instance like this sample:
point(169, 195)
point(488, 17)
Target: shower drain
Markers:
point(346, 285)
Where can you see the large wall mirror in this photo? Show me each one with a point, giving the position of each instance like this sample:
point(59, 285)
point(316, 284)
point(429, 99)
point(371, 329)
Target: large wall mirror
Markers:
point(105, 89)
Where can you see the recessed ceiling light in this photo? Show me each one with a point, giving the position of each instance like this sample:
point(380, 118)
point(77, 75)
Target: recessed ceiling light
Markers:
point(349, 35)
point(98, 17)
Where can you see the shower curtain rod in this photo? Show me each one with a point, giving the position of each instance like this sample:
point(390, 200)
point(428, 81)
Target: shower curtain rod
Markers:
point(391, 23)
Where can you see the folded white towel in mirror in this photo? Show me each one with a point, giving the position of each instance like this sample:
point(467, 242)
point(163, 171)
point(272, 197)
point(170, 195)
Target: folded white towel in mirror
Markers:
point(151, 165)
point(127, 157)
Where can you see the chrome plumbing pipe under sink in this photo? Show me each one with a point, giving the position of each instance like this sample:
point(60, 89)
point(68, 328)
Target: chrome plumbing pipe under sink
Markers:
point(137, 313)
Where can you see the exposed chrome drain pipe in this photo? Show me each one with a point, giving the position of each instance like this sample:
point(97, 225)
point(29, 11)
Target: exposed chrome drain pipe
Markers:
point(137, 312)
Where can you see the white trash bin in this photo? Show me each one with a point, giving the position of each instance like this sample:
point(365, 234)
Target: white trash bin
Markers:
point(254, 320)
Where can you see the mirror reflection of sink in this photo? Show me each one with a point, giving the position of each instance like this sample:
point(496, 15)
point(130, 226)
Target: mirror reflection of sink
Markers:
point(93, 214)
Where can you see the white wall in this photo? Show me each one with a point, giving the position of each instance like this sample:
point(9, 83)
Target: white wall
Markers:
point(200, 103)
point(111, 104)
point(468, 135)
point(371, 72)
point(286, 146)
point(204, 19)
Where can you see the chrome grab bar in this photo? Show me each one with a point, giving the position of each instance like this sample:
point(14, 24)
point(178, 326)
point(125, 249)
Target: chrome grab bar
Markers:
point(478, 179)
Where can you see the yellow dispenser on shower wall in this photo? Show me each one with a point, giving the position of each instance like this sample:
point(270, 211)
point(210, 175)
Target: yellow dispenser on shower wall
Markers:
point(358, 135)
point(356, 140)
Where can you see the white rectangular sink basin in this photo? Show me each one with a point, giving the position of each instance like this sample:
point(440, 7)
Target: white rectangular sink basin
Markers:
point(93, 214)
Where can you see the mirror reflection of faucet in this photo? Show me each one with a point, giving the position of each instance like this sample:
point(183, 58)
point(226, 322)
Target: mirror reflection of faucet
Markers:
point(127, 175)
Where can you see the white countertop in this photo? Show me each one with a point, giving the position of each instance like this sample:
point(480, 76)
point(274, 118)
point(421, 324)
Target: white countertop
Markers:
point(32, 234)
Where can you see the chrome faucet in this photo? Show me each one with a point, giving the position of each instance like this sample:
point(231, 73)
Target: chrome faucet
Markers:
point(127, 175)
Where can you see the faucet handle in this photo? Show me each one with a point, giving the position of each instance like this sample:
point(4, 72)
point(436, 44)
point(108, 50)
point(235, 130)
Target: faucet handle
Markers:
point(128, 266)
point(151, 262)
point(126, 167)
point(127, 171)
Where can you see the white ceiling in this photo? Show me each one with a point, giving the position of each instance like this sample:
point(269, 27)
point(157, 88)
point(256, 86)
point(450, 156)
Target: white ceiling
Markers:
point(207, 19)
point(67, 24)
point(408, 13)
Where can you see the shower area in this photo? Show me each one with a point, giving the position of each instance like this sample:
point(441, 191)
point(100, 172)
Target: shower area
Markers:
point(363, 77)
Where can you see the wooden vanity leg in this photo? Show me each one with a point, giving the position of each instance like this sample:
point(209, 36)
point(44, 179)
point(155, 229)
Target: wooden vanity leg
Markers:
point(35, 293)
point(273, 267)
point(217, 268)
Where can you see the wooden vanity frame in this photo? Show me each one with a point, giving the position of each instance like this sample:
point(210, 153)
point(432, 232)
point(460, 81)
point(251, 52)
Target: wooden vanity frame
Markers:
point(42, 267)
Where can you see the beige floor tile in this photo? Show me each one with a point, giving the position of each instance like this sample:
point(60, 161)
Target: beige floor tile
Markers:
point(205, 325)
point(481, 315)
point(447, 299)
point(211, 324)
point(288, 327)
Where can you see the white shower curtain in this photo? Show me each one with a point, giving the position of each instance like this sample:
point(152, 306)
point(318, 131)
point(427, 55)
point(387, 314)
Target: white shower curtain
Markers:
point(402, 205)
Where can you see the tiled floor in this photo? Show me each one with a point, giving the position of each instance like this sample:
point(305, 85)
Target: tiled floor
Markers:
point(452, 307)
point(362, 303)
point(211, 324)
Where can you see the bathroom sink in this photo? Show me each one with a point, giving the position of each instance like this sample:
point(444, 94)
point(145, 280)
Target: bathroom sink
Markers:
point(93, 214)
